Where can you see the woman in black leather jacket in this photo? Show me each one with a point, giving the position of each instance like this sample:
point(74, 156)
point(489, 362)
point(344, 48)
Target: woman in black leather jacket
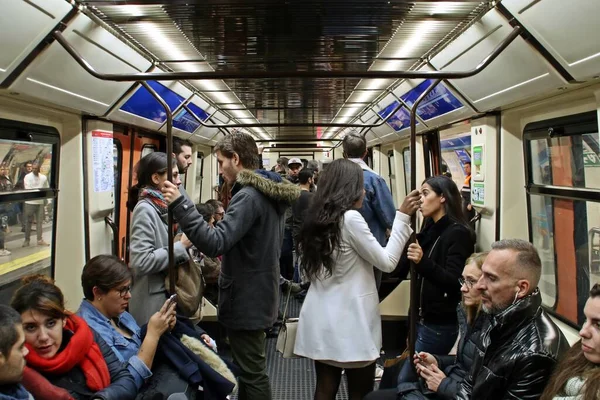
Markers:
point(442, 248)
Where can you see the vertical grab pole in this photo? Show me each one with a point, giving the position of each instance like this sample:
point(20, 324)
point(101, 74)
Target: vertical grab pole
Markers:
point(414, 283)
point(172, 270)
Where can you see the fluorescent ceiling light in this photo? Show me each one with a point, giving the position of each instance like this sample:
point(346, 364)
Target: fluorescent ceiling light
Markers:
point(2, 70)
point(66, 91)
point(584, 59)
point(411, 43)
point(512, 87)
point(132, 10)
point(446, 7)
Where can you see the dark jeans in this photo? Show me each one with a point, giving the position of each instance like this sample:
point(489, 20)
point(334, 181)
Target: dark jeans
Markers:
point(432, 338)
point(248, 350)
point(286, 260)
point(392, 394)
point(29, 211)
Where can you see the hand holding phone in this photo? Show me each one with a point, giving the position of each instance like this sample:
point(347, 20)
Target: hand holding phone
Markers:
point(172, 299)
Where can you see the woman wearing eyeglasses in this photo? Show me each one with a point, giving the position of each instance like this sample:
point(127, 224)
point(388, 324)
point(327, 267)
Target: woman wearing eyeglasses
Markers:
point(106, 285)
point(442, 375)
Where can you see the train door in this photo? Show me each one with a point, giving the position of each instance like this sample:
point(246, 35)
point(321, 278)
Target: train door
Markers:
point(562, 165)
point(129, 146)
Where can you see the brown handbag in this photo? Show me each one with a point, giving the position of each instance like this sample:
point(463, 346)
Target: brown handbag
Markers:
point(189, 287)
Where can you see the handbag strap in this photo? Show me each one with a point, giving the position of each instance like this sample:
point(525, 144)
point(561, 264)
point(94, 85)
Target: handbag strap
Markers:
point(287, 302)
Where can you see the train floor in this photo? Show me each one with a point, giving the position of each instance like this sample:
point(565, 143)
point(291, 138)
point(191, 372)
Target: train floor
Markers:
point(293, 378)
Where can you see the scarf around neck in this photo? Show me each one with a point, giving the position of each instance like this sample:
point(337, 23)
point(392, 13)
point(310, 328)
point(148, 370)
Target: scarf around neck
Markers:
point(81, 351)
point(155, 197)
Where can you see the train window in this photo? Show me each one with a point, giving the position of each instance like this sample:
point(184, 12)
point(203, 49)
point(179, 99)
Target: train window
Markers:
point(147, 149)
point(28, 182)
point(563, 186)
point(456, 152)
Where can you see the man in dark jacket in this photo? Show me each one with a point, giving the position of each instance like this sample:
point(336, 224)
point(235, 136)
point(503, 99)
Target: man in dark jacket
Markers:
point(12, 355)
point(520, 346)
point(249, 237)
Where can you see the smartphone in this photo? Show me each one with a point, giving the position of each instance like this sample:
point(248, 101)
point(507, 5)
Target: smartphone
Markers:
point(172, 299)
point(421, 358)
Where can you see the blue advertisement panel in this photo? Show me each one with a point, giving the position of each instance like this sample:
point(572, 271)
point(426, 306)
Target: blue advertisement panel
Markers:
point(144, 105)
point(462, 142)
point(398, 121)
point(185, 121)
point(439, 102)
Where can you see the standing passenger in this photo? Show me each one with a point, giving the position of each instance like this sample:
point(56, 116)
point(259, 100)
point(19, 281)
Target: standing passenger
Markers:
point(443, 245)
point(249, 237)
point(182, 151)
point(34, 180)
point(340, 324)
point(378, 206)
point(149, 246)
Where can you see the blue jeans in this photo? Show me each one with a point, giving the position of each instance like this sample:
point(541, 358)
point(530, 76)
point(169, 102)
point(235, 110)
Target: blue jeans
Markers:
point(432, 338)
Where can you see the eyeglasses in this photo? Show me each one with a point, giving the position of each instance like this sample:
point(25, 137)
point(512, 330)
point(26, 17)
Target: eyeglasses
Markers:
point(124, 290)
point(469, 283)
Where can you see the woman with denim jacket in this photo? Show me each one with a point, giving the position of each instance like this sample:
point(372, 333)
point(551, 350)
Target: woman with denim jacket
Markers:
point(66, 359)
point(106, 285)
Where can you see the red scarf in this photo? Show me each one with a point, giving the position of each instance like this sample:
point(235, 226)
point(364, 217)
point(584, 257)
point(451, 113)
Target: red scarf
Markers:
point(82, 350)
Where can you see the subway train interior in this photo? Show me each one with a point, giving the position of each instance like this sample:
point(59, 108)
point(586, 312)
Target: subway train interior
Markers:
point(520, 100)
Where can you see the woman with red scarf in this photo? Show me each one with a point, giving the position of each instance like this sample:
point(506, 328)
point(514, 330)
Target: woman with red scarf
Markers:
point(67, 359)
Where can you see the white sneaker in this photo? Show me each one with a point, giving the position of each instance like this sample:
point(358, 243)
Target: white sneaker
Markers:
point(378, 372)
point(4, 252)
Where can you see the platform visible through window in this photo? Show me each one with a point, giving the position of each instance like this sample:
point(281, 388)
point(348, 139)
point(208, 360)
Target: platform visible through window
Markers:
point(563, 181)
point(27, 206)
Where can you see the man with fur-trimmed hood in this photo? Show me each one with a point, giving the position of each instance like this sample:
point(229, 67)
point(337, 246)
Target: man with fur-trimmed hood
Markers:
point(249, 237)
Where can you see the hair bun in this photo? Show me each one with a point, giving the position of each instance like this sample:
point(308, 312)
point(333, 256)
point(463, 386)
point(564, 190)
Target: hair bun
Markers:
point(37, 278)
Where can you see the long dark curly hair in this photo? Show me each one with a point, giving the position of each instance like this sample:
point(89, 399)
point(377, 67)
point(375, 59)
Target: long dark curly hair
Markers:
point(340, 187)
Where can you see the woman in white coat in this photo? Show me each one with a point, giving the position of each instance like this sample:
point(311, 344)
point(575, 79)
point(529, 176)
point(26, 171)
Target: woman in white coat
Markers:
point(340, 324)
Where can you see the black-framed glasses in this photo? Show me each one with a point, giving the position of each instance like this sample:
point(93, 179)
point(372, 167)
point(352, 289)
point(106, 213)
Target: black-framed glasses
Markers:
point(469, 283)
point(124, 290)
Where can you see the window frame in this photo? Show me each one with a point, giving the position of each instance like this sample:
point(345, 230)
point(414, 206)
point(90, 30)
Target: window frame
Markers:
point(567, 126)
point(11, 130)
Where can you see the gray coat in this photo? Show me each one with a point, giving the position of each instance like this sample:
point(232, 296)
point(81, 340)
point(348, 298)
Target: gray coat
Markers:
point(249, 237)
point(149, 260)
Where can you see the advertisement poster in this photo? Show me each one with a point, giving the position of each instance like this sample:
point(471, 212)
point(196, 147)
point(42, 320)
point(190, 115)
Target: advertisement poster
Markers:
point(103, 161)
point(478, 194)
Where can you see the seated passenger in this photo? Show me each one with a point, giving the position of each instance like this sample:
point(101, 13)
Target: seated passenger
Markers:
point(340, 325)
point(12, 355)
point(64, 351)
point(577, 376)
point(519, 349)
point(106, 285)
point(149, 246)
point(442, 375)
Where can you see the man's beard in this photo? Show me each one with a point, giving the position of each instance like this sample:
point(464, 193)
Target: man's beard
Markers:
point(494, 309)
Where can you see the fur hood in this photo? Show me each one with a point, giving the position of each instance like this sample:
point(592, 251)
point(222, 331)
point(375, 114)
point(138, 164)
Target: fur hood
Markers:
point(271, 185)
